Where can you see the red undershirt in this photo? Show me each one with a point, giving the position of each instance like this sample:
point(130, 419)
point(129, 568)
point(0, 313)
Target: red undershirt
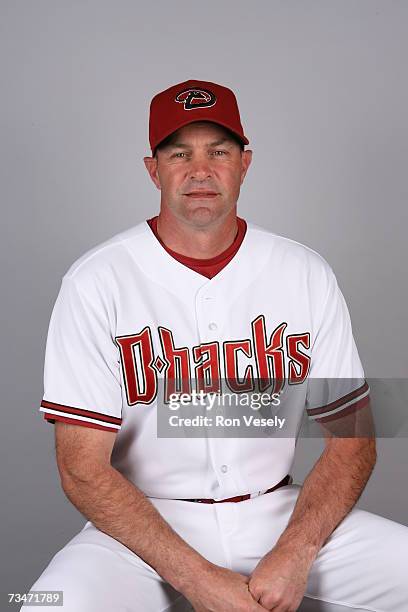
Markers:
point(207, 267)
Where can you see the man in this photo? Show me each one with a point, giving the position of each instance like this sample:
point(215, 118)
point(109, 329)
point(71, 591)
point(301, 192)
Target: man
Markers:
point(198, 294)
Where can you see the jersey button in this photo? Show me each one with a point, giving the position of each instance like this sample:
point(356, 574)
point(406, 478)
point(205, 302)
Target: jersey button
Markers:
point(213, 326)
point(224, 469)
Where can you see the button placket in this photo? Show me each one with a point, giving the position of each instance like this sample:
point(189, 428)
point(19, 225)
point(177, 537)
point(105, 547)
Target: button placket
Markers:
point(208, 326)
point(208, 323)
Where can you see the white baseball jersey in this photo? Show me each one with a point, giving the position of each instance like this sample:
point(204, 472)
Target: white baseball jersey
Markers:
point(130, 317)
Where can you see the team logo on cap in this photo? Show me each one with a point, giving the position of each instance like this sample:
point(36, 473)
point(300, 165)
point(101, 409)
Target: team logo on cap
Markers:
point(195, 98)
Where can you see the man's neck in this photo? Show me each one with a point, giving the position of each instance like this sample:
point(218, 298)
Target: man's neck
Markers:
point(197, 242)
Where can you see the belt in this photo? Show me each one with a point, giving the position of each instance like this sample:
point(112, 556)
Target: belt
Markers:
point(238, 498)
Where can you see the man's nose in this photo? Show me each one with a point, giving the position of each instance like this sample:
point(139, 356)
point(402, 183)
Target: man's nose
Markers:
point(200, 168)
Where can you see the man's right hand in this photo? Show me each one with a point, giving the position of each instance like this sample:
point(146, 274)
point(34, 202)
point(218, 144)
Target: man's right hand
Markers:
point(221, 590)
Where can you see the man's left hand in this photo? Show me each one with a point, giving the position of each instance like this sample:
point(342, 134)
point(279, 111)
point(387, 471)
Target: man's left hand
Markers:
point(279, 580)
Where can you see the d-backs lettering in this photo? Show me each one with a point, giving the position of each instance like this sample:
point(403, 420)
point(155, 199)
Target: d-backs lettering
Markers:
point(180, 366)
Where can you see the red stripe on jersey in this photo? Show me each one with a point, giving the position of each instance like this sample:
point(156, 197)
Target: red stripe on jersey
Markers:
point(349, 410)
point(336, 404)
point(86, 413)
point(51, 418)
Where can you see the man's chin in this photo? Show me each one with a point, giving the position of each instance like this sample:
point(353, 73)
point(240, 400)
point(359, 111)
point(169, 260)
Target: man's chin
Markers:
point(202, 214)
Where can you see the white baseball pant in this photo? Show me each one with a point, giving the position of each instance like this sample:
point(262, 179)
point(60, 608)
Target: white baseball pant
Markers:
point(361, 567)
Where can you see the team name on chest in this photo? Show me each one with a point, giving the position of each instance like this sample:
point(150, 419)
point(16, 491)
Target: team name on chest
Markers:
point(275, 359)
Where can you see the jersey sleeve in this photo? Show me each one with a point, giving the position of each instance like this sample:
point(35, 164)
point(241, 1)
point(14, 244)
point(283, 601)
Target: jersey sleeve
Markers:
point(337, 386)
point(81, 370)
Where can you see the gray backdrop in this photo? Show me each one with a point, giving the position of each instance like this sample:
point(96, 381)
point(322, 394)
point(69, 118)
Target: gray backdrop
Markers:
point(323, 96)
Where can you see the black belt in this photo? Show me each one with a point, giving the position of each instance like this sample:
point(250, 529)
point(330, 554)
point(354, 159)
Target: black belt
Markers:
point(238, 498)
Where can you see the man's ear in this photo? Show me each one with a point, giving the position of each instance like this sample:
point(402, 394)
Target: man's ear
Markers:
point(151, 166)
point(246, 159)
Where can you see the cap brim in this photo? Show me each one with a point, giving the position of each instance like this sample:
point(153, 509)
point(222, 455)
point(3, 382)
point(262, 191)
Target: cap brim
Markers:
point(243, 139)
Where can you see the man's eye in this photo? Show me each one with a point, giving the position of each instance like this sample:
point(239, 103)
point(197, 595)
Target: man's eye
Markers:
point(217, 153)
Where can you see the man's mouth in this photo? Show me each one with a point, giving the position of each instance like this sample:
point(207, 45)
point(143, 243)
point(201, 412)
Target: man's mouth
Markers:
point(201, 194)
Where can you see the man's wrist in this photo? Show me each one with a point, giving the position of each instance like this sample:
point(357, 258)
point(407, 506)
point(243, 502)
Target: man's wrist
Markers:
point(302, 550)
point(193, 571)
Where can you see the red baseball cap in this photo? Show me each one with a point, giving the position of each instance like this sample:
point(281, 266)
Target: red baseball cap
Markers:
point(192, 101)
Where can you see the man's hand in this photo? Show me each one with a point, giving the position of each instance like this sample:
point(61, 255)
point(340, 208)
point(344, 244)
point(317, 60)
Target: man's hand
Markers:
point(220, 590)
point(279, 580)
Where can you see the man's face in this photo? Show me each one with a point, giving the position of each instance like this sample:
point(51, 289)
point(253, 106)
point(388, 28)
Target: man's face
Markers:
point(199, 173)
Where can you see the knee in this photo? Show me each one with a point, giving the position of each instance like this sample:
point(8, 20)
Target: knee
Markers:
point(77, 596)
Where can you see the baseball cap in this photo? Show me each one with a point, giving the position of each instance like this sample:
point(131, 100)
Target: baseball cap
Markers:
point(191, 101)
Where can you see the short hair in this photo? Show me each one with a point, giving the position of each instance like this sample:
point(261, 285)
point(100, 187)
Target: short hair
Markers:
point(166, 141)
